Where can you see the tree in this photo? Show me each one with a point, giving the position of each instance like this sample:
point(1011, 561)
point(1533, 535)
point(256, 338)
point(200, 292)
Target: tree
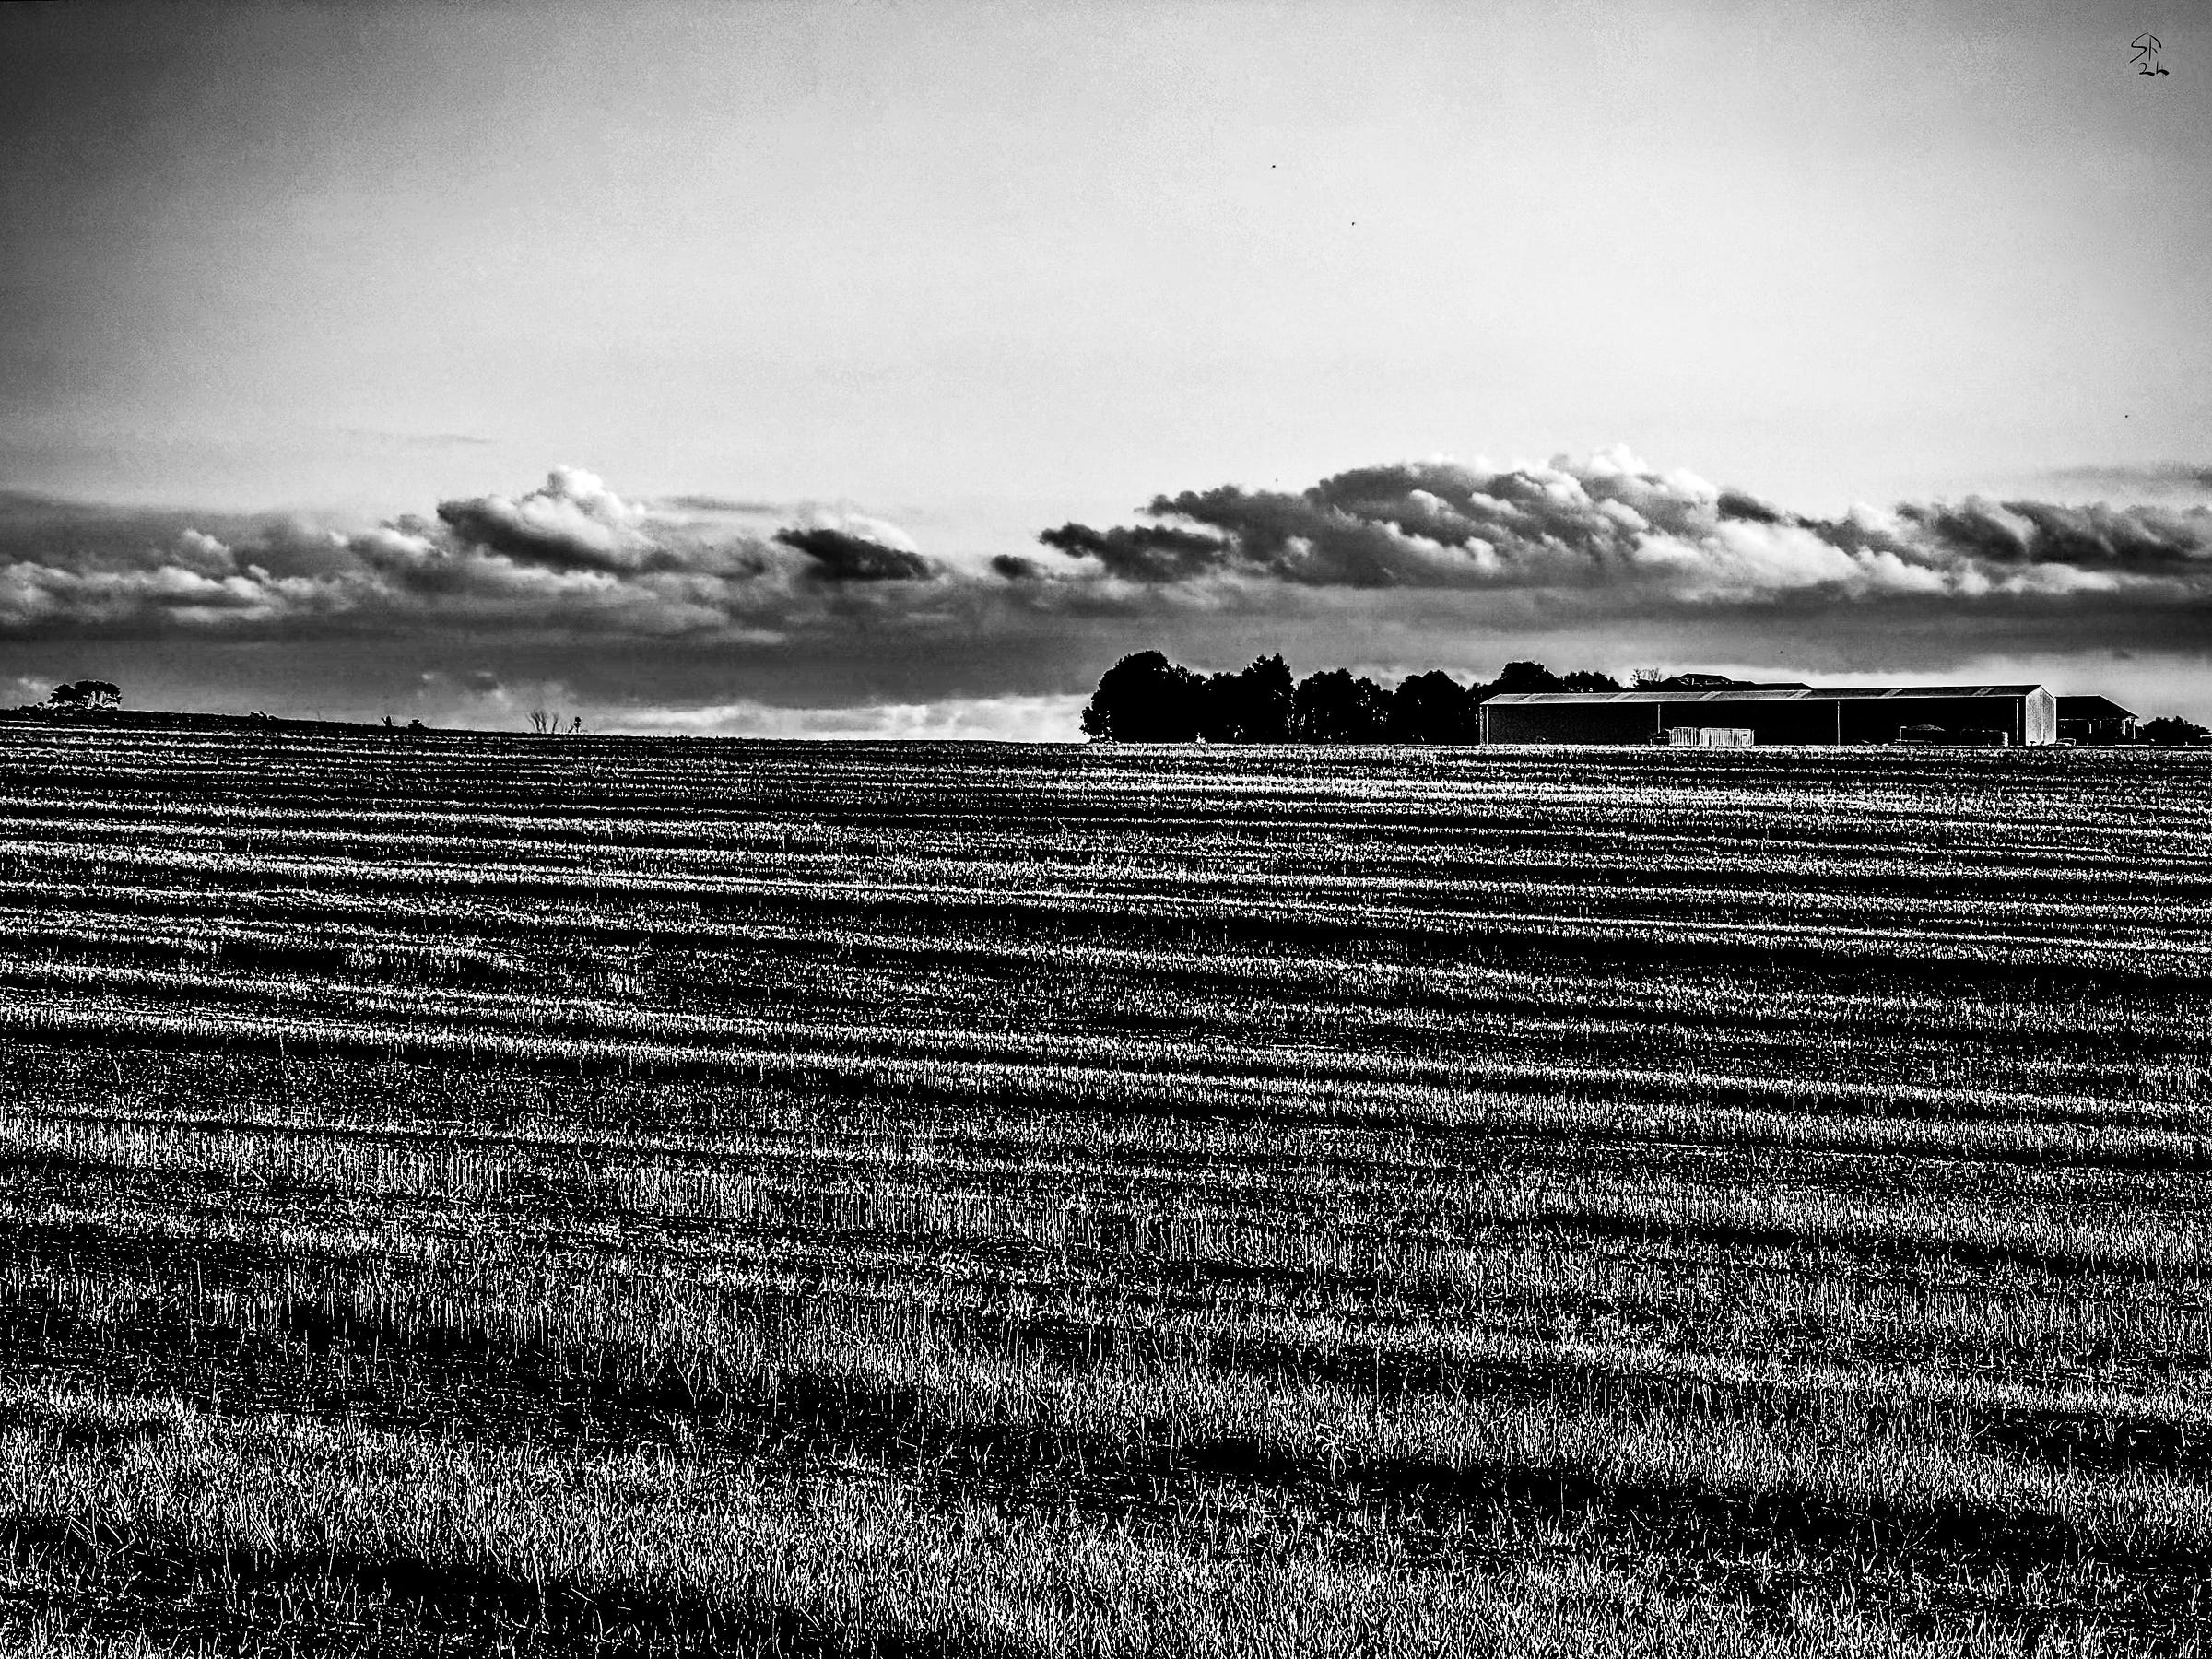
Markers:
point(2171, 730)
point(1527, 676)
point(86, 694)
point(1218, 710)
point(1430, 708)
point(1146, 698)
point(1589, 679)
point(1335, 706)
point(1253, 706)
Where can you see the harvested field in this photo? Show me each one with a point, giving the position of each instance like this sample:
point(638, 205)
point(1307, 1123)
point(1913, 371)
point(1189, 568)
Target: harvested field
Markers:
point(467, 1194)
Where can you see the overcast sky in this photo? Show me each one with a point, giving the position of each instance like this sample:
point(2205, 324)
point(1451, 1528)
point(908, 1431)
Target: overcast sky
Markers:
point(718, 366)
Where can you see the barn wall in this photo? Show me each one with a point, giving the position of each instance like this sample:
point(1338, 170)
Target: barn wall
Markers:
point(1791, 720)
point(2032, 718)
point(1571, 723)
point(1877, 719)
point(2041, 717)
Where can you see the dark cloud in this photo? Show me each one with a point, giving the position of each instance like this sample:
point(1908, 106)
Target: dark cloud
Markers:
point(38, 527)
point(2148, 539)
point(416, 441)
point(1735, 504)
point(1427, 524)
point(1142, 552)
point(1633, 537)
point(714, 503)
point(574, 522)
point(569, 559)
point(2126, 479)
point(840, 556)
point(1015, 568)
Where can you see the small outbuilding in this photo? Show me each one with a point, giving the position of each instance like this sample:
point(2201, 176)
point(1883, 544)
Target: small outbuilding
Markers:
point(2094, 719)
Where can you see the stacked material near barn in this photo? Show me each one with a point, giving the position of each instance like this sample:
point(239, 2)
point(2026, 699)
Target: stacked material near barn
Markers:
point(2026, 714)
point(1709, 736)
point(1971, 737)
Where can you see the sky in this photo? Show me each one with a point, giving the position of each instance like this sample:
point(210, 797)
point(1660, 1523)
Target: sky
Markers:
point(720, 368)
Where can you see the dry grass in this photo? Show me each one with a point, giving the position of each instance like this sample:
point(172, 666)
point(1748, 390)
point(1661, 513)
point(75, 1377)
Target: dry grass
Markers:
point(1026, 1202)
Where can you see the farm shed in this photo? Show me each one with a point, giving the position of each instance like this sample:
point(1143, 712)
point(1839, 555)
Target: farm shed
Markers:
point(2026, 714)
point(2095, 720)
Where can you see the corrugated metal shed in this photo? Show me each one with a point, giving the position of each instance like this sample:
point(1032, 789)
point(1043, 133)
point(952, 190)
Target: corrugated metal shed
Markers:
point(2093, 719)
point(2092, 708)
point(1776, 714)
point(1760, 694)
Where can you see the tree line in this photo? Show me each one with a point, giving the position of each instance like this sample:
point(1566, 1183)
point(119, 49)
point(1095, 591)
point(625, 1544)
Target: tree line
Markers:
point(2170, 731)
point(1147, 699)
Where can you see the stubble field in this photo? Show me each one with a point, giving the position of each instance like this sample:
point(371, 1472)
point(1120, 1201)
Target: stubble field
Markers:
point(463, 1194)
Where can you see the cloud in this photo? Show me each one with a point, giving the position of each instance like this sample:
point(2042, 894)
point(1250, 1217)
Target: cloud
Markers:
point(1138, 553)
point(840, 555)
point(714, 503)
point(572, 522)
point(415, 441)
point(570, 558)
point(651, 607)
point(2158, 480)
point(1612, 532)
point(1017, 719)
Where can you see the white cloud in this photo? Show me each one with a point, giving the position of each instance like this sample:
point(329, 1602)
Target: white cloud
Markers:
point(1039, 719)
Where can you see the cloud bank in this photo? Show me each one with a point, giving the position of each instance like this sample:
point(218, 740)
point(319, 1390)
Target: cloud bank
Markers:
point(1613, 533)
point(1607, 537)
point(1042, 719)
point(569, 559)
point(710, 613)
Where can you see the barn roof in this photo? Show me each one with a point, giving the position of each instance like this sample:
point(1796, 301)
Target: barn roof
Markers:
point(2091, 707)
point(1760, 694)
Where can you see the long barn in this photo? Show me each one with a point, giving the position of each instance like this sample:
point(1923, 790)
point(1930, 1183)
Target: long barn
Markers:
point(2023, 714)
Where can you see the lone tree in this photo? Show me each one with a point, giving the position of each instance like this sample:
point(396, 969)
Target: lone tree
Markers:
point(86, 694)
